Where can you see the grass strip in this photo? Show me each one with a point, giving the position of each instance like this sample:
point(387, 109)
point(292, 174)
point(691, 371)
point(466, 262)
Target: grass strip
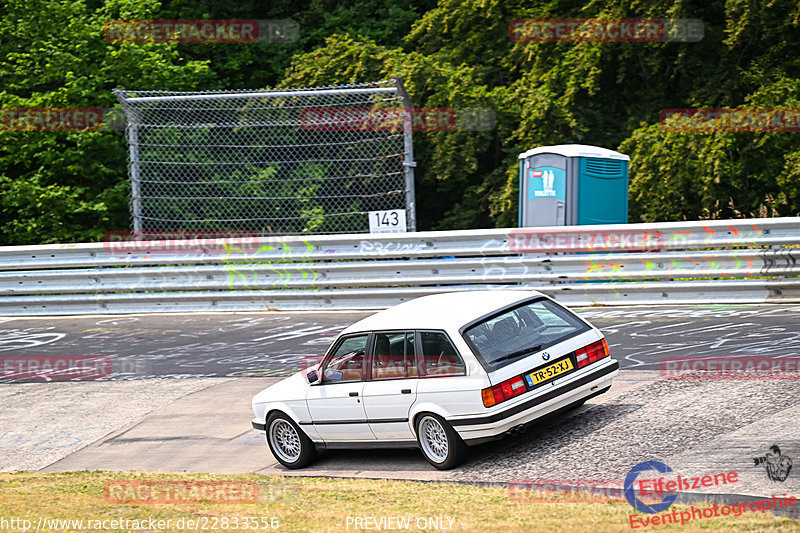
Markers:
point(318, 505)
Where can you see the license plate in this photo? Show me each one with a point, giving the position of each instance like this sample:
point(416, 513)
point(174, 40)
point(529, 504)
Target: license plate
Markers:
point(549, 372)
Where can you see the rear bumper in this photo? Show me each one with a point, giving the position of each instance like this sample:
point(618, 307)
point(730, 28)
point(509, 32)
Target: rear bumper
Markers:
point(497, 423)
point(259, 425)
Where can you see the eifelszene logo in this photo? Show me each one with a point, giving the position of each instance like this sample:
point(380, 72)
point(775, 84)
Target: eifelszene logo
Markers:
point(665, 488)
point(636, 503)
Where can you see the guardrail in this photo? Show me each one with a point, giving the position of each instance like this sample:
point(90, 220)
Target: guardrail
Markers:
point(728, 261)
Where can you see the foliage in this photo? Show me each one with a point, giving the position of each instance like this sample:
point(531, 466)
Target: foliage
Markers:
point(606, 94)
point(73, 186)
point(61, 186)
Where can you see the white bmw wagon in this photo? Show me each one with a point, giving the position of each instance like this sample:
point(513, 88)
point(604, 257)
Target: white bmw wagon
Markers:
point(439, 373)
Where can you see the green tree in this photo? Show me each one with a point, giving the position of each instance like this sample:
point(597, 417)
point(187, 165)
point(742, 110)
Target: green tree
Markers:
point(452, 164)
point(252, 66)
point(58, 186)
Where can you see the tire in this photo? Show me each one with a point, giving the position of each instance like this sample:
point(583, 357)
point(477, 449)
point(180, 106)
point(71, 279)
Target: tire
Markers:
point(440, 444)
point(287, 442)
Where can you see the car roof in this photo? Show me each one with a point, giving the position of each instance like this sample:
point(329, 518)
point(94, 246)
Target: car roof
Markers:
point(449, 310)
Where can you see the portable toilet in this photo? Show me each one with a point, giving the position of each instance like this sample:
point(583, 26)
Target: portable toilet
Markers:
point(572, 184)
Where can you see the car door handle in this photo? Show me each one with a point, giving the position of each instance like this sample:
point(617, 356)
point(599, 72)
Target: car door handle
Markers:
point(406, 391)
point(353, 394)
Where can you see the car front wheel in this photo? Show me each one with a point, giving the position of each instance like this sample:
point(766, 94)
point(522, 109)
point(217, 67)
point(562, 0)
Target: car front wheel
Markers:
point(439, 442)
point(290, 446)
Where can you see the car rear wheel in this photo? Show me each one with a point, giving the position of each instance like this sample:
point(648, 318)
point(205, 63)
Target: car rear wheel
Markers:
point(439, 442)
point(290, 446)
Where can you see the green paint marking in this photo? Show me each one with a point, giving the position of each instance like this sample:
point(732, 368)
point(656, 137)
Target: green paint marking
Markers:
point(283, 274)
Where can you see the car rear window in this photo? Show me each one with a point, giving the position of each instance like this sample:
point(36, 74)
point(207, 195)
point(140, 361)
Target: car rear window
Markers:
point(502, 338)
point(439, 357)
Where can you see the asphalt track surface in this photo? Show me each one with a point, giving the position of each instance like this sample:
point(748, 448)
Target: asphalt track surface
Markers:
point(135, 422)
point(275, 344)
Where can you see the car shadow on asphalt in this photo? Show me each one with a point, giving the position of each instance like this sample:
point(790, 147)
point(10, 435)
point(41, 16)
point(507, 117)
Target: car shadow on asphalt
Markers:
point(566, 426)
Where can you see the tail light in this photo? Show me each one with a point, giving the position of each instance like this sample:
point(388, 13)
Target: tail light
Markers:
point(594, 352)
point(503, 391)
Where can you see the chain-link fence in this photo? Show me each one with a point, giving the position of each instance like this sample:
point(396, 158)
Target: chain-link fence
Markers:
point(275, 161)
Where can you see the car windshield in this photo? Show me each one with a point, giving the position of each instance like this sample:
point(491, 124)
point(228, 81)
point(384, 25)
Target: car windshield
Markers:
point(533, 326)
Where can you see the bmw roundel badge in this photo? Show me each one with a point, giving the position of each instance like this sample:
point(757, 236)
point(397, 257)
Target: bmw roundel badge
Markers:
point(545, 356)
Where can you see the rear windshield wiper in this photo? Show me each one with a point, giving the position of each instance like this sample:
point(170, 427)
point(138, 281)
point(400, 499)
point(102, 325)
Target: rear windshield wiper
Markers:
point(517, 353)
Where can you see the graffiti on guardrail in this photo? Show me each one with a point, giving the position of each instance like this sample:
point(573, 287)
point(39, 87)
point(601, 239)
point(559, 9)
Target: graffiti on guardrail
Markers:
point(600, 253)
point(580, 240)
point(245, 266)
point(572, 240)
point(491, 268)
point(178, 242)
point(672, 252)
point(643, 267)
point(245, 253)
point(747, 235)
point(392, 247)
point(686, 265)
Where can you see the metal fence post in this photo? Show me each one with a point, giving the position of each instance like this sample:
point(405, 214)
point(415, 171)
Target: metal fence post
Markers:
point(408, 160)
point(136, 194)
point(279, 161)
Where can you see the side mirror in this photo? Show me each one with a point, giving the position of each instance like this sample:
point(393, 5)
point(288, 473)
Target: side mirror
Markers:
point(312, 377)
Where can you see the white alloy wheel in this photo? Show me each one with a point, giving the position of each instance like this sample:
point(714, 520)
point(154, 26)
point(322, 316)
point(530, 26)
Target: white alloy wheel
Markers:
point(285, 440)
point(433, 439)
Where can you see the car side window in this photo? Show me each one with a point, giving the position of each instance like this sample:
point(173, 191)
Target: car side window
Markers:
point(347, 362)
point(439, 357)
point(393, 355)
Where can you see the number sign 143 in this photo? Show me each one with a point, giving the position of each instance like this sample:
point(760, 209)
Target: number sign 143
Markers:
point(390, 221)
